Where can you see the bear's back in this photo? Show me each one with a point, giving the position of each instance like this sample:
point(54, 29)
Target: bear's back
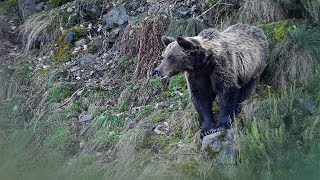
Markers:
point(245, 47)
point(245, 30)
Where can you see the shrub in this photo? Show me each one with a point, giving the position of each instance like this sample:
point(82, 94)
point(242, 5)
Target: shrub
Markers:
point(313, 8)
point(40, 30)
point(188, 28)
point(261, 11)
point(282, 138)
point(296, 57)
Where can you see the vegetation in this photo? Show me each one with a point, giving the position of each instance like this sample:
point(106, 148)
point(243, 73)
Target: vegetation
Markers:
point(138, 129)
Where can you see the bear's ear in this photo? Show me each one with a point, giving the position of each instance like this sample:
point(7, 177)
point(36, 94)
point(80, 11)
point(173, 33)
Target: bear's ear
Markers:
point(167, 40)
point(185, 44)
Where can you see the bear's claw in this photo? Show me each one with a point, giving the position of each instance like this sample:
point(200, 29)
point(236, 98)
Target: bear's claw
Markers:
point(206, 133)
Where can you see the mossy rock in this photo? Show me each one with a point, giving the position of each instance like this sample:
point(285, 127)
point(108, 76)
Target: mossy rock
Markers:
point(65, 45)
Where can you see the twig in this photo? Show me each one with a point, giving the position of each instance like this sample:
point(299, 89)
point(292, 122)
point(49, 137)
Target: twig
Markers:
point(218, 3)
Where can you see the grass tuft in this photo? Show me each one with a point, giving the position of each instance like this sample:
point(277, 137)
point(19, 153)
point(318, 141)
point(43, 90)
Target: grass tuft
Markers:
point(296, 57)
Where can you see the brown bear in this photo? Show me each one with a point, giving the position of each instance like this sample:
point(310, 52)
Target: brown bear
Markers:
point(226, 64)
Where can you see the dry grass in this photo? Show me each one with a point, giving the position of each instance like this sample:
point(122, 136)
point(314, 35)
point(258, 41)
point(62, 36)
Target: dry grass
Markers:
point(223, 14)
point(40, 30)
point(151, 47)
point(313, 8)
point(261, 11)
point(179, 159)
point(129, 43)
point(295, 58)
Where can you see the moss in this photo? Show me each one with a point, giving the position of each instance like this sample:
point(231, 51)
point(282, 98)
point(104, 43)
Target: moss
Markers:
point(59, 92)
point(57, 3)
point(85, 159)
point(277, 31)
point(63, 54)
point(75, 109)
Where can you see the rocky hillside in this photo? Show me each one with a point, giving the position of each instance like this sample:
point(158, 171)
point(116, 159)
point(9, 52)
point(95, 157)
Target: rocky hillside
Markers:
point(78, 99)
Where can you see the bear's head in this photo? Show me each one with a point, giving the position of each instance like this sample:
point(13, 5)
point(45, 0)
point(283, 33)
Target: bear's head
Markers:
point(180, 55)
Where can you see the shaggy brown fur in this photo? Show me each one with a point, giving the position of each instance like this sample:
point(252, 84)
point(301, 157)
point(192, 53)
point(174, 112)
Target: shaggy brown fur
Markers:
point(227, 64)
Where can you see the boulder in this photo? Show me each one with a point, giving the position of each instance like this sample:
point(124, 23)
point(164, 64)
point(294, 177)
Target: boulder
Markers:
point(223, 146)
point(116, 17)
point(27, 8)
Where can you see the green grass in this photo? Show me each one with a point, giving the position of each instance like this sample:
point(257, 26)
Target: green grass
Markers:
point(281, 140)
point(60, 137)
point(59, 92)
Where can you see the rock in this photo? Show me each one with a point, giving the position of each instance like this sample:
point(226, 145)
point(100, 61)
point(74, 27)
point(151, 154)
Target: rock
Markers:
point(135, 7)
point(87, 58)
point(43, 6)
point(148, 125)
point(27, 8)
point(116, 17)
point(132, 124)
point(80, 42)
point(85, 118)
point(69, 37)
point(218, 142)
point(164, 105)
point(223, 146)
point(183, 10)
point(156, 8)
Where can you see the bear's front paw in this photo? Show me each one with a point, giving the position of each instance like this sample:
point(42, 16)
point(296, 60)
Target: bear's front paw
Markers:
point(206, 133)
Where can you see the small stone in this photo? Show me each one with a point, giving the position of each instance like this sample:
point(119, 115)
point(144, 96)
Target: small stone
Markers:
point(69, 37)
point(85, 118)
point(183, 10)
point(164, 105)
point(80, 42)
point(87, 58)
point(148, 125)
point(132, 124)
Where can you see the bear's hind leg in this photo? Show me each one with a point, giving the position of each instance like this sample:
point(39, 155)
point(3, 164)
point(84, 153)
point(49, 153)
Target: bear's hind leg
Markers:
point(245, 92)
